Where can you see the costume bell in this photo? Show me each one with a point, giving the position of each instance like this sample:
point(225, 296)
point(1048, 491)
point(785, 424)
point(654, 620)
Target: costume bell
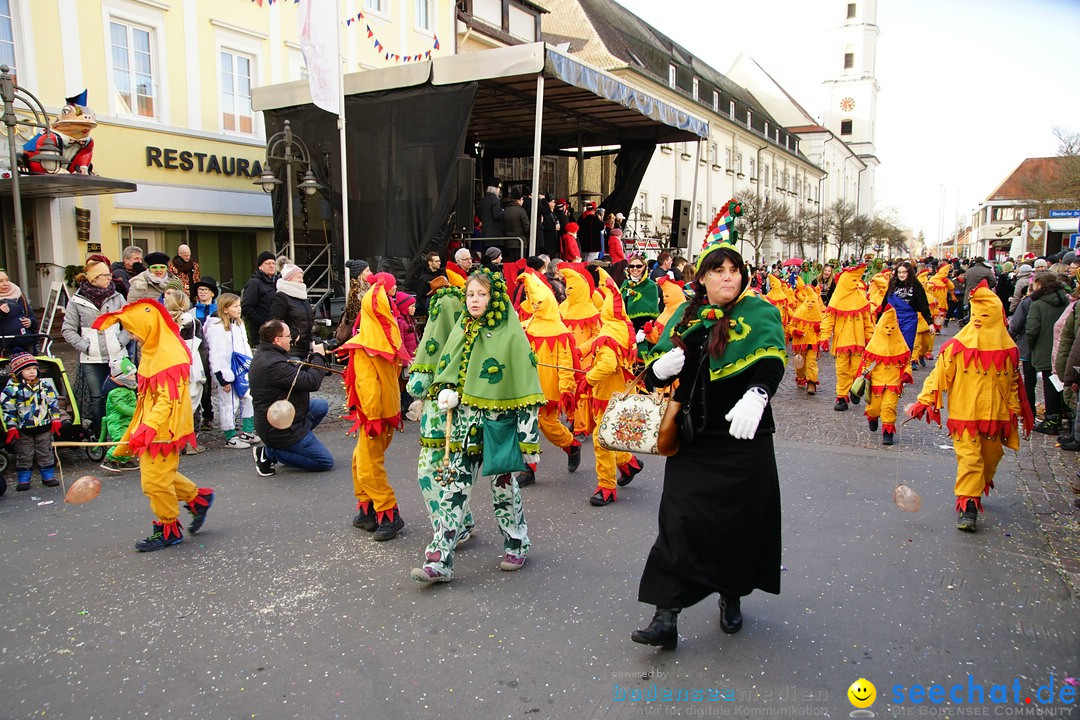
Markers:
point(488, 370)
point(582, 316)
point(614, 354)
point(886, 356)
point(376, 355)
point(804, 328)
point(162, 424)
point(847, 327)
point(978, 369)
point(444, 312)
point(557, 360)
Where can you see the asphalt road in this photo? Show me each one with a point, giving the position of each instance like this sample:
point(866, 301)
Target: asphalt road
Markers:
point(279, 608)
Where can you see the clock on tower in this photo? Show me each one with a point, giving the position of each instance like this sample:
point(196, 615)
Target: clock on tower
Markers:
point(847, 104)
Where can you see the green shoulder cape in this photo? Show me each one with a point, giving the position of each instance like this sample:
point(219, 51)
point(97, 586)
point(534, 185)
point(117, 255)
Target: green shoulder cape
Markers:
point(642, 299)
point(444, 311)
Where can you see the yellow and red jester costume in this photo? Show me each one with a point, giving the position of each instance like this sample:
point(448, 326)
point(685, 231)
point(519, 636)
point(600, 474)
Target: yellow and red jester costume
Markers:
point(978, 368)
point(924, 335)
point(376, 355)
point(162, 425)
point(557, 360)
point(674, 296)
point(879, 285)
point(614, 353)
point(804, 327)
point(455, 274)
point(780, 296)
point(940, 286)
point(887, 356)
point(847, 326)
point(581, 315)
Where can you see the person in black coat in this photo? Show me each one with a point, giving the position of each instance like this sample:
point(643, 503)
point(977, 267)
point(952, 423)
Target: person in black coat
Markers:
point(549, 226)
point(291, 305)
point(16, 317)
point(906, 286)
point(490, 209)
point(432, 270)
point(720, 507)
point(257, 293)
point(274, 378)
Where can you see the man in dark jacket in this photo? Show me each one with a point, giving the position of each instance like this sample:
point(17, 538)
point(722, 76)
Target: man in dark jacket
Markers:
point(490, 209)
point(515, 218)
point(274, 378)
point(129, 267)
point(258, 293)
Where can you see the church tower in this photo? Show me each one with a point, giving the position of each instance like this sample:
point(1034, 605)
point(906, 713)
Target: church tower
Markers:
point(851, 112)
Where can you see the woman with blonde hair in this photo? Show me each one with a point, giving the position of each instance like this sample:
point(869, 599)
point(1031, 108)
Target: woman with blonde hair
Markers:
point(230, 357)
point(178, 306)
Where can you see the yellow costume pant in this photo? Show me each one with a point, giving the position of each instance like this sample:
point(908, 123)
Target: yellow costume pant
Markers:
point(883, 406)
point(607, 461)
point(165, 486)
point(369, 471)
point(924, 345)
point(808, 372)
point(976, 462)
point(847, 365)
point(554, 430)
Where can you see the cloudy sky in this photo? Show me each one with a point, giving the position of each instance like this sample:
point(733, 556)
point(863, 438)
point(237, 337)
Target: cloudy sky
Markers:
point(969, 88)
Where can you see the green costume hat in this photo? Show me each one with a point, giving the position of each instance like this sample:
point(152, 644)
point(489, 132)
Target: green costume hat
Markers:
point(721, 232)
point(488, 359)
point(444, 311)
point(754, 332)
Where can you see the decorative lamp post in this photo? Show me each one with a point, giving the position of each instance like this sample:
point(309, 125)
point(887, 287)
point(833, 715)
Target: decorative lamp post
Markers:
point(287, 148)
point(49, 155)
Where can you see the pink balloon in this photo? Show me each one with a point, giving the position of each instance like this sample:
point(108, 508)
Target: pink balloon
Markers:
point(83, 490)
point(907, 499)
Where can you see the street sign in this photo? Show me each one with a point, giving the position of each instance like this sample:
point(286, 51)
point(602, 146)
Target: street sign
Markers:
point(1065, 213)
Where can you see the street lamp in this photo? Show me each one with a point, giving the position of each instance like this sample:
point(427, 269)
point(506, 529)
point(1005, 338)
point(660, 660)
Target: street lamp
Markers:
point(49, 155)
point(285, 147)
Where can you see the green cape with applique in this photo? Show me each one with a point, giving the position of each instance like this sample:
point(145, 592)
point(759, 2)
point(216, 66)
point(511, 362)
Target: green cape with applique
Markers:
point(642, 298)
point(755, 332)
point(488, 359)
point(444, 312)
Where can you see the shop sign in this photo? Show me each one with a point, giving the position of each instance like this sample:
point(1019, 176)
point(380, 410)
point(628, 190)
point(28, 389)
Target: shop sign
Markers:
point(206, 163)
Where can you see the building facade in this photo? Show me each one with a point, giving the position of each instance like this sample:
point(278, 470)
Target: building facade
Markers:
point(170, 82)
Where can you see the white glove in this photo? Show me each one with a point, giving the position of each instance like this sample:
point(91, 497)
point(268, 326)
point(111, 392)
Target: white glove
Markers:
point(669, 364)
point(447, 399)
point(640, 336)
point(746, 414)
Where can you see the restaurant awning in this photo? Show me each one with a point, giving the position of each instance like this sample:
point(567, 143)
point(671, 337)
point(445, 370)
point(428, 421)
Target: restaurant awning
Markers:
point(65, 185)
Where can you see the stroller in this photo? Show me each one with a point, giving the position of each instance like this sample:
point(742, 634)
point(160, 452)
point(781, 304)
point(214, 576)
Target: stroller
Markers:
point(71, 427)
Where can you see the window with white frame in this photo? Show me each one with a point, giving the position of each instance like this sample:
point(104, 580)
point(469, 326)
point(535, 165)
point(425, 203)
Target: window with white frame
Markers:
point(697, 213)
point(378, 6)
point(133, 68)
point(749, 117)
point(643, 203)
point(766, 133)
point(738, 163)
point(753, 165)
point(236, 74)
point(7, 36)
point(715, 101)
point(765, 174)
point(696, 88)
point(425, 14)
point(731, 109)
point(664, 206)
point(727, 158)
point(671, 75)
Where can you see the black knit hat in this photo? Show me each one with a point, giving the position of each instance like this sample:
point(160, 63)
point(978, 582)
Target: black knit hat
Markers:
point(264, 256)
point(356, 267)
point(156, 258)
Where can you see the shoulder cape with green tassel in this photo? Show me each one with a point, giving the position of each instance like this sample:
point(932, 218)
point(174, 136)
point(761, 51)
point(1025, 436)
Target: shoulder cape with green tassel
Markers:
point(444, 311)
point(755, 332)
point(488, 359)
point(642, 299)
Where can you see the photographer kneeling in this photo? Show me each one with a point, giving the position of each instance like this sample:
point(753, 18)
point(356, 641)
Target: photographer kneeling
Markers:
point(272, 376)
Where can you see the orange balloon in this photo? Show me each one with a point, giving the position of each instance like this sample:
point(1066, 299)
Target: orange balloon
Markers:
point(83, 490)
point(907, 499)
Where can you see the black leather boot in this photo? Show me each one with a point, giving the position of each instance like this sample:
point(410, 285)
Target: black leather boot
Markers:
point(573, 458)
point(663, 631)
point(730, 614)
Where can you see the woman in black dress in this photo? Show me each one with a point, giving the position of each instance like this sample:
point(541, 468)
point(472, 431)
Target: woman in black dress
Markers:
point(720, 509)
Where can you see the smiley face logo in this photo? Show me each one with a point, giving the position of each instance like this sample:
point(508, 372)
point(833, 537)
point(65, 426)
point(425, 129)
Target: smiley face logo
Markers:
point(862, 693)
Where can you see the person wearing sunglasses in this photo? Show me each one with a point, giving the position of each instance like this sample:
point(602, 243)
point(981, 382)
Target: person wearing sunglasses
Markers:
point(151, 283)
point(641, 296)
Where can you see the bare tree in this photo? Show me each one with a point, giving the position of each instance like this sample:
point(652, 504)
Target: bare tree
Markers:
point(762, 217)
point(1069, 175)
point(840, 225)
point(801, 230)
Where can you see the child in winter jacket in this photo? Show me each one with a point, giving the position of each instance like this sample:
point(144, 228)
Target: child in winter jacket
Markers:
point(31, 412)
point(119, 409)
point(404, 310)
point(230, 356)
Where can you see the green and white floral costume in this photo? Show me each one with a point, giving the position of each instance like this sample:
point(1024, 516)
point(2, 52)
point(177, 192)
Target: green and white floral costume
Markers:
point(489, 362)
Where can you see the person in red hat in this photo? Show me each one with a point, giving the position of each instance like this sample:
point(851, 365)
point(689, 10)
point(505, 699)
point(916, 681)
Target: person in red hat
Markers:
point(31, 412)
point(569, 249)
